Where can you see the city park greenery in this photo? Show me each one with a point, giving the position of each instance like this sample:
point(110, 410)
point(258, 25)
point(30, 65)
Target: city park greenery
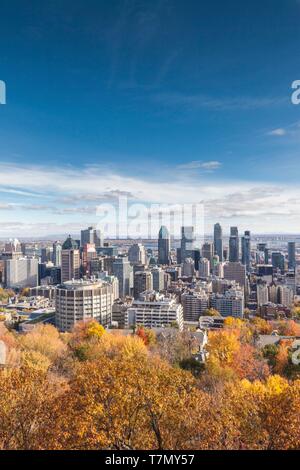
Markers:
point(94, 389)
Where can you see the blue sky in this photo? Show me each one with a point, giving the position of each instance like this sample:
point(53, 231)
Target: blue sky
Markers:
point(167, 101)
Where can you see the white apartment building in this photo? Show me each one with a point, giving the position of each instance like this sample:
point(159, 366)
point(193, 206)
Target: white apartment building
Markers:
point(204, 267)
point(80, 300)
point(286, 296)
point(154, 310)
point(262, 293)
point(21, 272)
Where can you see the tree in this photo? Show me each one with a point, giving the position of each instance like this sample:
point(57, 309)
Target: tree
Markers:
point(5, 294)
point(175, 346)
point(270, 352)
point(288, 328)
point(261, 326)
point(282, 357)
point(27, 399)
point(147, 335)
point(212, 312)
point(44, 339)
point(124, 404)
point(87, 330)
point(25, 292)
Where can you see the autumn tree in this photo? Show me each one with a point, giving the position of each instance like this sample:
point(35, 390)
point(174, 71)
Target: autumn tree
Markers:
point(212, 312)
point(27, 400)
point(147, 335)
point(288, 328)
point(176, 346)
point(44, 339)
point(121, 403)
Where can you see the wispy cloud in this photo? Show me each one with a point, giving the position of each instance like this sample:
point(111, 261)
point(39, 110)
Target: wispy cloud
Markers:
point(200, 165)
point(278, 132)
point(199, 101)
point(291, 130)
point(73, 190)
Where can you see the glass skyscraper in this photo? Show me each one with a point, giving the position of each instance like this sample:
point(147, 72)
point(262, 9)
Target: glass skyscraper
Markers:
point(218, 242)
point(234, 245)
point(163, 246)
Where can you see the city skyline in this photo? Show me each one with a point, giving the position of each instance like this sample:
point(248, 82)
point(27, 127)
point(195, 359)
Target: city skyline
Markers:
point(150, 229)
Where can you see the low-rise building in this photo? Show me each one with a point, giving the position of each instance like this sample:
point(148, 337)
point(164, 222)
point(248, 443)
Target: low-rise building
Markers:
point(155, 310)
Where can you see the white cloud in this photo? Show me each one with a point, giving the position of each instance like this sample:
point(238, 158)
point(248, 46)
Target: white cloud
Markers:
point(68, 191)
point(278, 132)
point(198, 164)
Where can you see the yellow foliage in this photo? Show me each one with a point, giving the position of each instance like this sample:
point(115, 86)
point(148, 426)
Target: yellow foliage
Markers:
point(44, 339)
point(35, 360)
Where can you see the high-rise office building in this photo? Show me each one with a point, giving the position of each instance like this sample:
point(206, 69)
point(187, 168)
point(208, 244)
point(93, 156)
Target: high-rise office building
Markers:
point(46, 254)
point(88, 254)
point(246, 249)
point(143, 281)
point(137, 254)
point(122, 269)
point(292, 255)
point(188, 267)
point(196, 257)
point(187, 243)
point(234, 245)
point(158, 277)
point(163, 246)
point(56, 254)
point(266, 255)
point(70, 260)
point(278, 261)
point(218, 241)
point(91, 236)
point(208, 251)
point(204, 268)
point(235, 272)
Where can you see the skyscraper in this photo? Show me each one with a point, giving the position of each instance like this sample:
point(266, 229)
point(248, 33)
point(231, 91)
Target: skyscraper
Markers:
point(291, 255)
point(218, 242)
point(208, 251)
point(278, 261)
point(88, 254)
point(122, 269)
point(187, 243)
point(56, 254)
point(246, 249)
point(234, 245)
point(163, 246)
point(235, 271)
point(143, 281)
point(158, 277)
point(46, 254)
point(137, 254)
point(70, 260)
point(188, 268)
point(91, 236)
